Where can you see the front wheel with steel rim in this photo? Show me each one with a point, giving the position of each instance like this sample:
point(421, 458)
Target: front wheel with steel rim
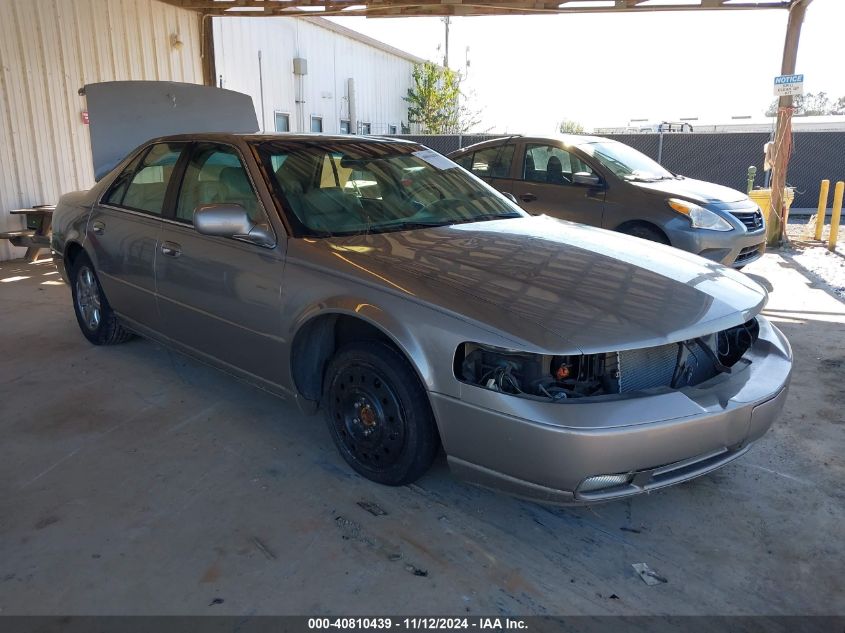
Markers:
point(96, 319)
point(379, 414)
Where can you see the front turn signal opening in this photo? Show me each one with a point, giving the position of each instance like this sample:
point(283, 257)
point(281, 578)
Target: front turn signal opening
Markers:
point(680, 206)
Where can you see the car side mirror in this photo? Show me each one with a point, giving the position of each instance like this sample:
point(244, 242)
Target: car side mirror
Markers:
point(232, 221)
point(586, 179)
point(510, 196)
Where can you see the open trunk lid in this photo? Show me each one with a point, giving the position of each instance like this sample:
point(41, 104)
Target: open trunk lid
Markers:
point(125, 114)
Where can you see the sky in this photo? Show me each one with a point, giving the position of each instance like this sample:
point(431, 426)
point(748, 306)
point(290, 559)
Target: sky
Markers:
point(527, 73)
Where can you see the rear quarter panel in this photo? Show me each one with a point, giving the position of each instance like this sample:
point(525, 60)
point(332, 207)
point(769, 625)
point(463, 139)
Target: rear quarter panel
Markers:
point(70, 221)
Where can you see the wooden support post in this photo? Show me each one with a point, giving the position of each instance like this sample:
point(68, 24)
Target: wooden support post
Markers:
point(783, 135)
point(209, 68)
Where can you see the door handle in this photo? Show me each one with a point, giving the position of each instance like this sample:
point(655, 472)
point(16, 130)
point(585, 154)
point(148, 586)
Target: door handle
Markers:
point(98, 228)
point(527, 197)
point(171, 249)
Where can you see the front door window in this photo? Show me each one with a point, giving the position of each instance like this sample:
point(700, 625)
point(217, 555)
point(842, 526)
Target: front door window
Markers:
point(550, 164)
point(215, 175)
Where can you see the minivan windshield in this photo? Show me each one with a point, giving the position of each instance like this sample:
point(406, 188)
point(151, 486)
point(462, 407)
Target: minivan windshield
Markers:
point(345, 187)
point(625, 161)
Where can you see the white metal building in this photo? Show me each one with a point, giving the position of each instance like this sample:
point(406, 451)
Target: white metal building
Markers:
point(49, 49)
point(342, 81)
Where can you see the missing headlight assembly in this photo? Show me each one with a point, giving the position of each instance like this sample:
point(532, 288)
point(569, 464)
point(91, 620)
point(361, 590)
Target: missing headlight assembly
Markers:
point(562, 378)
point(531, 375)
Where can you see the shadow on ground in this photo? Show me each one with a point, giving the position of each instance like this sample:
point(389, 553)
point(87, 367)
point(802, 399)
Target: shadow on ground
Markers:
point(135, 481)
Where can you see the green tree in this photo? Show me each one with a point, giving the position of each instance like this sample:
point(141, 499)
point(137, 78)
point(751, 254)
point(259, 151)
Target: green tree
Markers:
point(815, 104)
point(434, 101)
point(568, 126)
point(811, 104)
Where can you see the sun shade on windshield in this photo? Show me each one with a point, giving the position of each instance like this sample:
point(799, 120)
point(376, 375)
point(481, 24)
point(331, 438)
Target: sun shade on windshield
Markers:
point(344, 188)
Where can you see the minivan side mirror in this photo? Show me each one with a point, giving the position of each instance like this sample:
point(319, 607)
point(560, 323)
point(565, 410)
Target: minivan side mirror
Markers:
point(586, 179)
point(232, 221)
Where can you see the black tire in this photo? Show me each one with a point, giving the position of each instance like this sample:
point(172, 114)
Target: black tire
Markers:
point(99, 324)
point(645, 232)
point(378, 413)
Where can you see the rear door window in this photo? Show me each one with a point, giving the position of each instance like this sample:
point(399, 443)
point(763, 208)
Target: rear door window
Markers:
point(493, 162)
point(142, 186)
point(465, 161)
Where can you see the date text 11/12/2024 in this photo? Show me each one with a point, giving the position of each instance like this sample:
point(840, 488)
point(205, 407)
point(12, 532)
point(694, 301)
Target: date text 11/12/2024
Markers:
point(420, 623)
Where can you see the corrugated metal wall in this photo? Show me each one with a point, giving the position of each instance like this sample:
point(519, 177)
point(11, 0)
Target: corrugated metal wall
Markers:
point(48, 50)
point(381, 78)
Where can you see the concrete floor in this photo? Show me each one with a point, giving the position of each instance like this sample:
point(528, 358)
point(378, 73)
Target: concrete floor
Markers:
point(136, 481)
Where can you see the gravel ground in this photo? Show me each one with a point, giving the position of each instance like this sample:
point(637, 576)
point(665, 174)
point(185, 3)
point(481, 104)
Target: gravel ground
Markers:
point(826, 266)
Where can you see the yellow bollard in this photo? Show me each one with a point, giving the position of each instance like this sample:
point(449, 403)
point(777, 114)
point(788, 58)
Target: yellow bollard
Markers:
point(837, 212)
point(823, 191)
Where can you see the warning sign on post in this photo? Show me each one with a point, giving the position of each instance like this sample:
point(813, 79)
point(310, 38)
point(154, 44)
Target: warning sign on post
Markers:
point(787, 85)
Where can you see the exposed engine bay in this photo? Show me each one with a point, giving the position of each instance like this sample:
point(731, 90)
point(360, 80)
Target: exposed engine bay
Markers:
point(559, 378)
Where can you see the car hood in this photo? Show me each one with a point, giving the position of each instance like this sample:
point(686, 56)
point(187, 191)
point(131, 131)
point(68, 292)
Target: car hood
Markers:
point(596, 289)
point(698, 191)
point(126, 114)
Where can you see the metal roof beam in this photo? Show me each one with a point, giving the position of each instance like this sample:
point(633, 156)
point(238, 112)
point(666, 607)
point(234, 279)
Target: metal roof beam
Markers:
point(387, 8)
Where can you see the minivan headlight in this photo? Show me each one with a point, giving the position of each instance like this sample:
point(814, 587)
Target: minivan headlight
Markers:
point(699, 217)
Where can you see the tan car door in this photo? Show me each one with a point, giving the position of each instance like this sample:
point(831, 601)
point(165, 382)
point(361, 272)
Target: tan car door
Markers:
point(221, 297)
point(544, 184)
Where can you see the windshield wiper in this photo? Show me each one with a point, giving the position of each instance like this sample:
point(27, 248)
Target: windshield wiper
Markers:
point(488, 216)
point(633, 178)
point(640, 178)
point(427, 224)
point(410, 224)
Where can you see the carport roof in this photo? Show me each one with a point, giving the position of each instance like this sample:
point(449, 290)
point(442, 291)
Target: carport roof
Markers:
point(387, 8)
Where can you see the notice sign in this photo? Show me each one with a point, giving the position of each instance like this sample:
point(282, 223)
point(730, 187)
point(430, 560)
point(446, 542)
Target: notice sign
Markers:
point(787, 85)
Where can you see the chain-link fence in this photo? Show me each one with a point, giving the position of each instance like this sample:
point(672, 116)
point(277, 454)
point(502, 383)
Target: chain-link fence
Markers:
point(725, 158)
point(720, 158)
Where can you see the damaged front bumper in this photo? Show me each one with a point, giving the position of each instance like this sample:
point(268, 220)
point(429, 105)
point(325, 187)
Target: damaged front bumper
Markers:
point(547, 451)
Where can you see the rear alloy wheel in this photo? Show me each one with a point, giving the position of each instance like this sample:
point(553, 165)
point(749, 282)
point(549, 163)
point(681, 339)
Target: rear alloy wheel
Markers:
point(378, 414)
point(93, 313)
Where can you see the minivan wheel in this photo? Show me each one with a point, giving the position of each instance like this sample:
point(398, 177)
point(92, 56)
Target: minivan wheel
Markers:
point(98, 322)
point(645, 232)
point(378, 413)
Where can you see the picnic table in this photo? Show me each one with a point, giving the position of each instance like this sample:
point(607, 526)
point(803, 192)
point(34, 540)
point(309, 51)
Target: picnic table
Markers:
point(36, 235)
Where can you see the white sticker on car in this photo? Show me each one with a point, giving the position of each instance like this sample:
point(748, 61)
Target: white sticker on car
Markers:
point(435, 160)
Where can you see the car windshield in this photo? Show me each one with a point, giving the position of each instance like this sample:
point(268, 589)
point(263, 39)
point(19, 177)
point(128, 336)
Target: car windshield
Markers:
point(625, 161)
point(345, 187)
